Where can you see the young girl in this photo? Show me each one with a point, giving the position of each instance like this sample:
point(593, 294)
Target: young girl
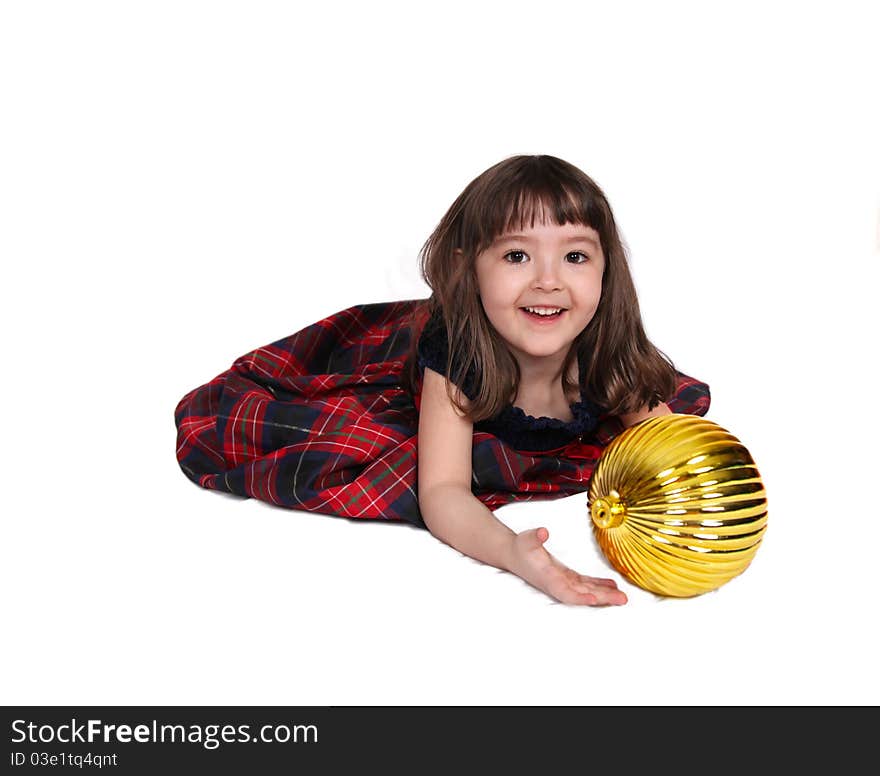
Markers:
point(506, 384)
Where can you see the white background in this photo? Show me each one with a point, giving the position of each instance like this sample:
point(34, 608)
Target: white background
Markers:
point(182, 182)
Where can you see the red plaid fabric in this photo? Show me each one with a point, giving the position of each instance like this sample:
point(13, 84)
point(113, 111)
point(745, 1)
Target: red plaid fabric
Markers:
point(319, 421)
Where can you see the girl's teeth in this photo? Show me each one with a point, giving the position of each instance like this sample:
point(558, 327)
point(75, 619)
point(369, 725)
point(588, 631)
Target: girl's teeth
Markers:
point(543, 311)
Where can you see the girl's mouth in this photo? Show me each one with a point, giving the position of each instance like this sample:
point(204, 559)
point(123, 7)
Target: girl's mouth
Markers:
point(543, 315)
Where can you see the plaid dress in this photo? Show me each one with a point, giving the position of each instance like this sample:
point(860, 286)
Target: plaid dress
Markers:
point(319, 421)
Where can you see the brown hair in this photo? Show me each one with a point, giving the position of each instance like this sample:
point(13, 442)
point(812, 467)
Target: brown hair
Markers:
point(624, 371)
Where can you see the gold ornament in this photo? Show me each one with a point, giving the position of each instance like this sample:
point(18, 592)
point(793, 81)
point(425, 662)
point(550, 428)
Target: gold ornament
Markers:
point(678, 505)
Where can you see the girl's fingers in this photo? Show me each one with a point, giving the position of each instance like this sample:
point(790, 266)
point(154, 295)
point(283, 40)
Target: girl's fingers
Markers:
point(600, 581)
point(583, 579)
point(534, 538)
point(614, 598)
point(604, 594)
point(569, 592)
point(611, 598)
point(569, 595)
point(569, 587)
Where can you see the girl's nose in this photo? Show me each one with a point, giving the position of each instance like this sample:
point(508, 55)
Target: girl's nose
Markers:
point(546, 275)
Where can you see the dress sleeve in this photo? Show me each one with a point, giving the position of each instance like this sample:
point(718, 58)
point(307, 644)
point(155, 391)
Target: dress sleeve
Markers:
point(433, 351)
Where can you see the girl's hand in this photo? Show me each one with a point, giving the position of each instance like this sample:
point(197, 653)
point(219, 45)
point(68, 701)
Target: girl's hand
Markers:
point(531, 561)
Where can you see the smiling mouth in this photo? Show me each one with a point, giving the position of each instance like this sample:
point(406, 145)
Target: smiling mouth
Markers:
point(543, 313)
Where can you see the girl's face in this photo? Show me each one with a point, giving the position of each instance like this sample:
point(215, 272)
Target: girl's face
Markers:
point(541, 286)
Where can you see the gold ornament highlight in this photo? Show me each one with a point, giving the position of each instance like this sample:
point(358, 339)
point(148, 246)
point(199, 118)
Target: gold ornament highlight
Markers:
point(678, 505)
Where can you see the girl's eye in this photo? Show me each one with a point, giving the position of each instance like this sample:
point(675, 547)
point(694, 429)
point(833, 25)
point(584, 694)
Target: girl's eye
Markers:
point(520, 257)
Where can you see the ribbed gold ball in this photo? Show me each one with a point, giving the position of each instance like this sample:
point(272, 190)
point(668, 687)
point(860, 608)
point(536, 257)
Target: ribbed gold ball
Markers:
point(678, 505)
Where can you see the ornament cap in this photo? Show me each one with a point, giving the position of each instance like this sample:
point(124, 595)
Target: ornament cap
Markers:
point(608, 511)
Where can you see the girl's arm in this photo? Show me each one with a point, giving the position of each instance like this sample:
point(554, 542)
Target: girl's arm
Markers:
point(642, 414)
point(450, 511)
point(455, 516)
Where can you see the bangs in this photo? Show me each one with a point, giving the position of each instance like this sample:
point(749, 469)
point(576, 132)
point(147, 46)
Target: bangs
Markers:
point(536, 193)
point(529, 207)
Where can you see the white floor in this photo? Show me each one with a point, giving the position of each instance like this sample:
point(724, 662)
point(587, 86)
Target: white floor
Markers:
point(168, 214)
